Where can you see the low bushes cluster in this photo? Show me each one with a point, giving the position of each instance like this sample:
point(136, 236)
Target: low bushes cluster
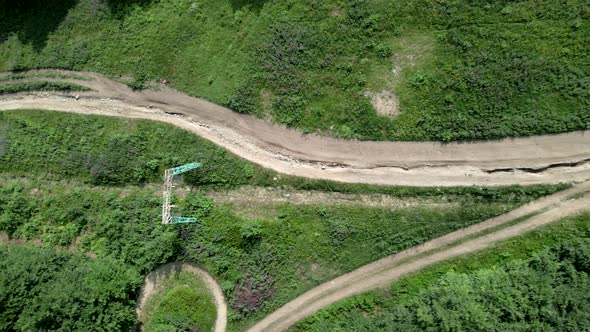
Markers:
point(98, 221)
point(106, 151)
point(45, 289)
point(40, 86)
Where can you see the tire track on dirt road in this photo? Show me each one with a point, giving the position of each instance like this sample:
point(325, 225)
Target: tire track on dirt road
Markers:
point(527, 160)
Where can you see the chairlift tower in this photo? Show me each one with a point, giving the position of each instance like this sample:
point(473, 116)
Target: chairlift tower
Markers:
point(169, 174)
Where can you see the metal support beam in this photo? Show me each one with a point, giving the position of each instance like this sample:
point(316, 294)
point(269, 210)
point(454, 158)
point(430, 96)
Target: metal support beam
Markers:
point(167, 192)
point(182, 220)
point(185, 168)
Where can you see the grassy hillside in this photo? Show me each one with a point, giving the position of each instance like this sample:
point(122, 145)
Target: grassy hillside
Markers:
point(40, 86)
point(92, 184)
point(459, 69)
point(532, 282)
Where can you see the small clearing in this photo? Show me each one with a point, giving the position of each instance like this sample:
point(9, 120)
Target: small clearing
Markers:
point(385, 103)
point(154, 280)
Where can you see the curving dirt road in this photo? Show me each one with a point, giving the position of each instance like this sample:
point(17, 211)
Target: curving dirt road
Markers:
point(386, 270)
point(156, 277)
point(540, 159)
point(543, 159)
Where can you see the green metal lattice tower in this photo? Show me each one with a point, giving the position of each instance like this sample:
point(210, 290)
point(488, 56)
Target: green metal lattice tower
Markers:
point(168, 185)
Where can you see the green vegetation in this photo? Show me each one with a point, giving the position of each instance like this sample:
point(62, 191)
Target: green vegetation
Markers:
point(185, 304)
point(67, 181)
point(261, 263)
point(44, 289)
point(40, 86)
point(461, 69)
point(105, 151)
point(116, 224)
point(536, 281)
point(264, 263)
point(11, 76)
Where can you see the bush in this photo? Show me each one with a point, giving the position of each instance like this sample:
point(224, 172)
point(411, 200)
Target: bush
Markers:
point(176, 311)
point(107, 151)
point(45, 289)
point(40, 86)
point(15, 209)
point(245, 100)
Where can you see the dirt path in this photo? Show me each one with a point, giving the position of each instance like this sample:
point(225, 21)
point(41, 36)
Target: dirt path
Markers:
point(156, 277)
point(540, 159)
point(384, 271)
point(253, 196)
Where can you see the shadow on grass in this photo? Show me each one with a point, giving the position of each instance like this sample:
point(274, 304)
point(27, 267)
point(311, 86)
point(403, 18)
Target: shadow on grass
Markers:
point(32, 20)
point(254, 5)
point(120, 8)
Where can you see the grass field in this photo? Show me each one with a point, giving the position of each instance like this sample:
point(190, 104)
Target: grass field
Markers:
point(459, 69)
point(92, 184)
point(528, 270)
point(11, 76)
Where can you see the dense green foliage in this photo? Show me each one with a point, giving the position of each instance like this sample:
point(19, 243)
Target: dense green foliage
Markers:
point(11, 76)
point(176, 308)
point(519, 285)
point(66, 183)
point(108, 223)
point(462, 69)
point(40, 86)
point(260, 262)
point(54, 290)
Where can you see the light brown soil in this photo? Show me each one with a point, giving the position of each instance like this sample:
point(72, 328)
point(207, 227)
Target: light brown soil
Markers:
point(154, 280)
point(384, 271)
point(385, 103)
point(540, 159)
point(252, 195)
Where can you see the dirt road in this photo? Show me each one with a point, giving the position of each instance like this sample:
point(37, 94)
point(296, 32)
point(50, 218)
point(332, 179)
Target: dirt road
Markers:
point(156, 277)
point(384, 271)
point(540, 159)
